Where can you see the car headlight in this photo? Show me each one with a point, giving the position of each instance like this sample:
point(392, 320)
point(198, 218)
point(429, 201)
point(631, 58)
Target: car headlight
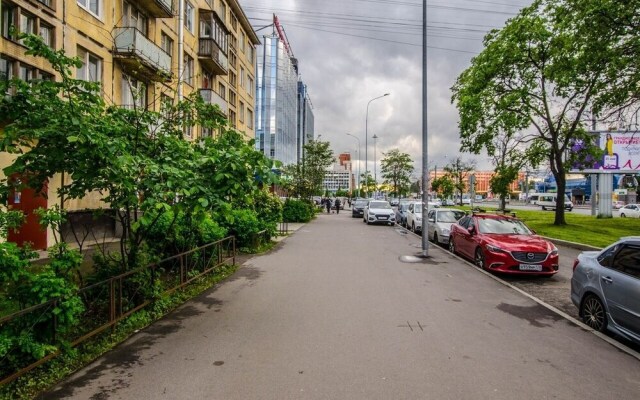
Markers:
point(494, 249)
point(554, 251)
point(445, 231)
point(419, 219)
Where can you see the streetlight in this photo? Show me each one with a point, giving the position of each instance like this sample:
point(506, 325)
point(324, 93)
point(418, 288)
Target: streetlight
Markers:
point(359, 155)
point(375, 169)
point(366, 134)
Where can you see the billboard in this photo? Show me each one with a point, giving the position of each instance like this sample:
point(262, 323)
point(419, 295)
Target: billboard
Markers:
point(621, 153)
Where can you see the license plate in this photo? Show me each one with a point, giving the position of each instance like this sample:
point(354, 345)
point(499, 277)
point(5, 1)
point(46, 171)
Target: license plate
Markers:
point(383, 217)
point(530, 267)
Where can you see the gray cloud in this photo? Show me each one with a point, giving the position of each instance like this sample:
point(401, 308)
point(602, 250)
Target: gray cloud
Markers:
point(344, 72)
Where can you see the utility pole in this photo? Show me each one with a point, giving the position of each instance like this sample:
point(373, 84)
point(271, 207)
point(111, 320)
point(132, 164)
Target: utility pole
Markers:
point(425, 137)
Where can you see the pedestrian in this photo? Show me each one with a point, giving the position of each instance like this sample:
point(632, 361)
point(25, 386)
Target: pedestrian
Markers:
point(349, 202)
point(328, 205)
point(337, 203)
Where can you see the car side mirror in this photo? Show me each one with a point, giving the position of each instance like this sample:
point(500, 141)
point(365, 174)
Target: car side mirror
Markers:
point(432, 220)
point(472, 230)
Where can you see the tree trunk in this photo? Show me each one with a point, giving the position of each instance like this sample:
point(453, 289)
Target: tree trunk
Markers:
point(561, 183)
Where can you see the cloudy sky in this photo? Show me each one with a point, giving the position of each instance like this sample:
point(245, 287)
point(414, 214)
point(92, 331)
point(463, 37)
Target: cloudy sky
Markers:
point(351, 51)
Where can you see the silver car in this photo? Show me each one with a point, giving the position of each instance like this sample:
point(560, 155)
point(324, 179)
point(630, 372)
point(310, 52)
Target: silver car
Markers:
point(440, 221)
point(606, 288)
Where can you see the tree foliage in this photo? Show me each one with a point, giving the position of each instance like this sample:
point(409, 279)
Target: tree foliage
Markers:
point(458, 172)
point(541, 73)
point(396, 171)
point(305, 178)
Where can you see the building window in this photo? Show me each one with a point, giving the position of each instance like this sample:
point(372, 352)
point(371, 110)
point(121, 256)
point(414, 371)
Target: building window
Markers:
point(134, 93)
point(91, 69)
point(93, 6)
point(232, 79)
point(222, 91)
point(206, 132)
point(27, 24)
point(250, 53)
point(47, 34)
point(234, 21)
point(166, 43)
point(188, 69)
point(232, 118)
point(241, 77)
point(189, 15)
point(249, 118)
point(133, 18)
point(242, 42)
point(223, 11)
point(48, 3)
point(250, 86)
point(241, 113)
point(232, 97)
point(6, 68)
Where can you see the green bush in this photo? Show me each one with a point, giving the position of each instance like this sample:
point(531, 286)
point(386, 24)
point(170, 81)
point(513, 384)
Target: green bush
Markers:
point(297, 211)
point(269, 210)
point(245, 226)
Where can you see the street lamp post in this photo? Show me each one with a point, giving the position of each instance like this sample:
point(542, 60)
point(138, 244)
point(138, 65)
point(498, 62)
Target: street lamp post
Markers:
point(366, 134)
point(359, 153)
point(375, 169)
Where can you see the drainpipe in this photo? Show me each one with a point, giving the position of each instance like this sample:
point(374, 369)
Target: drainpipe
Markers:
point(180, 47)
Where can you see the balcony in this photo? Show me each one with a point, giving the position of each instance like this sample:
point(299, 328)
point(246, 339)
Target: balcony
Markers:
point(157, 8)
point(211, 97)
point(212, 56)
point(140, 56)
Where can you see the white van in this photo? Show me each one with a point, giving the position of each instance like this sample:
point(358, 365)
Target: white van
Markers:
point(548, 201)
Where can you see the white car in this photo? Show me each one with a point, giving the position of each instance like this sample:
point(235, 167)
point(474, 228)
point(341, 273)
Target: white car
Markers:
point(414, 216)
point(379, 212)
point(630, 210)
point(440, 221)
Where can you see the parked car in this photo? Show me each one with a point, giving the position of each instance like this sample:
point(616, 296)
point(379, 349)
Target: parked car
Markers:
point(357, 208)
point(630, 210)
point(394, 201)
point(448, 202)
point(606, 288)
point(401, 213)
point(547, 201)
point(440, 221)
point(503, 244)
point(414, 216)
point(379, 212)
point(618, 205)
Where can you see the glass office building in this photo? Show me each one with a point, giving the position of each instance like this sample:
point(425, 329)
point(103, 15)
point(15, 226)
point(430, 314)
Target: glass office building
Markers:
point(276, 101)
point(305, 119)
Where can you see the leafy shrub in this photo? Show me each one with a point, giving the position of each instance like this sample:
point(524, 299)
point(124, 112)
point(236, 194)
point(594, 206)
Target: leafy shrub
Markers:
point(269, 210)
point(297, 211)
point(245, 226)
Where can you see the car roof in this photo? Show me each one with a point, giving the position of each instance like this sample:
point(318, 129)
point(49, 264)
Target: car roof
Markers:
point(494, 216)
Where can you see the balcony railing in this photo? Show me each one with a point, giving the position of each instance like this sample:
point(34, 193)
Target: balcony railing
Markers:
point(211, 55)
point(211, 97)
point(135, 50)
point(158, 8)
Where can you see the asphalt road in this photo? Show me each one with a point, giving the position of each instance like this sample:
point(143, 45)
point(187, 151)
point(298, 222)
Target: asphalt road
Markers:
point(337, 312)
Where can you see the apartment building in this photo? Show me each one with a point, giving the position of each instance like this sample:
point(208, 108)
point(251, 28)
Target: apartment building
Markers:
point(142, 52)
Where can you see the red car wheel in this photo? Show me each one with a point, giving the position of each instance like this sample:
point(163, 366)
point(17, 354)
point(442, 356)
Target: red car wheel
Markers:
point(479, 258)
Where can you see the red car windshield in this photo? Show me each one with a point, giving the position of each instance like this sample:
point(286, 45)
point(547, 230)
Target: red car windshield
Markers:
point(503, 226)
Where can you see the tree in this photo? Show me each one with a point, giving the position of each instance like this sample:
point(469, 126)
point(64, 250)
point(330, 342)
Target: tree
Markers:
point(458, 171)
point(396, 170)
point(533, 74)
point(368, 183)
point(443, 185)
point(305, 178)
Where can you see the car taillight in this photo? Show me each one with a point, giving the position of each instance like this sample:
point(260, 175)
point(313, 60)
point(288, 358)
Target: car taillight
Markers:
point(575, 264)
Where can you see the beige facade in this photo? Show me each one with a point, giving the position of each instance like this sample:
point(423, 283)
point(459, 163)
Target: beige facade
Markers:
point(136, 46)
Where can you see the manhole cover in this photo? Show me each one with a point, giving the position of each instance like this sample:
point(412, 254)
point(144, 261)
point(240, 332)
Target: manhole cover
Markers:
point(419, 260)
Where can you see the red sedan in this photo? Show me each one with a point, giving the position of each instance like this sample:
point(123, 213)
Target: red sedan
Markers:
point(503, 244)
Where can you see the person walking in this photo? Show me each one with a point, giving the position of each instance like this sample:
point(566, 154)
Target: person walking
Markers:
point(328, 205)
point(337, 203)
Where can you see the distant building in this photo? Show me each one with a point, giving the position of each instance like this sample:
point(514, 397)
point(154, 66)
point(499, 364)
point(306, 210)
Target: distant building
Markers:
point(338, 177)
point(305, 119)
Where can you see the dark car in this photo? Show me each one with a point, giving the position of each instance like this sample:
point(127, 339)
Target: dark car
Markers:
point(401, 213)
point(357, 208)
point(605, 287)
point(503, 244)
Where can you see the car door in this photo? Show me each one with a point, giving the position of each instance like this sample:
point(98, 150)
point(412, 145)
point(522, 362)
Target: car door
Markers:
point(620, 284)
point(462, 240)
point(635, 211)
point(431, 215)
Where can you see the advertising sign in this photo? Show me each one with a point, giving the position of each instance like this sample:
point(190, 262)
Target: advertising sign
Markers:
point(621, 153)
